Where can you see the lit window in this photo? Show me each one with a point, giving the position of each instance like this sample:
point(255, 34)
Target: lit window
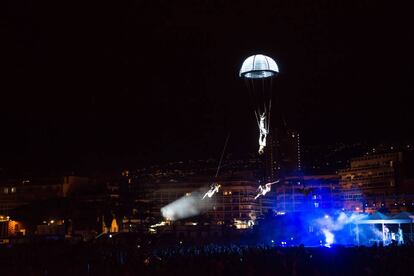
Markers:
point(6, 190)
point(13, 190)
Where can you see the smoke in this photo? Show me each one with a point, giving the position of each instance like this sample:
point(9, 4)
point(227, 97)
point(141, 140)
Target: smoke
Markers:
point(341, 220)
point(329, 225)
point(187, 206)
point(329, 237)
point(377, 233)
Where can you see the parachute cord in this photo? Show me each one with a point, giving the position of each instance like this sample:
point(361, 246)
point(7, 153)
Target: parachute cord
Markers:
point(254, 101)
point(222, 155)
point(254, 97)
point(264, 95)
point(268, 120)
point(257, 118)
point(270, 104)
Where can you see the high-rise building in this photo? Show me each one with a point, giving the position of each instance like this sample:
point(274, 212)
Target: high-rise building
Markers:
point(270, 163)
point(301, 194)
point(287, 153)
point(374, 177)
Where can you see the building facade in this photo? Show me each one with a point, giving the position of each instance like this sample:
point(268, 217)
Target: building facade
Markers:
point(371, 182)
point(235, 202)
point(301, 194)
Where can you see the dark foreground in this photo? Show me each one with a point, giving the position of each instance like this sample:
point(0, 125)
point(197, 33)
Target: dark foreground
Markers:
point(112, 259)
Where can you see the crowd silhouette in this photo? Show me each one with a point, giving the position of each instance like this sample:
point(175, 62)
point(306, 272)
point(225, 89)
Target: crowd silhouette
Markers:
point(62, 258)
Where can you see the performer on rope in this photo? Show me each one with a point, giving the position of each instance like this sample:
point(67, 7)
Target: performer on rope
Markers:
point(214, 188)
point(263, 133)
point(263, 190)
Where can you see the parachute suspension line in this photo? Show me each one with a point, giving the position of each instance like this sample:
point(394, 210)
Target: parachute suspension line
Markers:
point(257, 118)
point(253, 100)
point(264, 95)
point(222, 154)
point(268, 119)
point(254, 97)
point(270, 103)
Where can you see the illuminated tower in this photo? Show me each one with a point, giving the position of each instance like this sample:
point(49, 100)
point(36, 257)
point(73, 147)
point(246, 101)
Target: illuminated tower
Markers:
point(270, 172)
point(288, 153)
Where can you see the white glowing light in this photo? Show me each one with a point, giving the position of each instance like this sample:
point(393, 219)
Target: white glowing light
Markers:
point(162, 223)
point(329, 237)
point(258, 67)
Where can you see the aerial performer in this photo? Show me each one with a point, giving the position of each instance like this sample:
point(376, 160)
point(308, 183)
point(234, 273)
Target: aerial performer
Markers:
point(263, 190)
point(263, 134)
point(214, 188)
point(258, 72)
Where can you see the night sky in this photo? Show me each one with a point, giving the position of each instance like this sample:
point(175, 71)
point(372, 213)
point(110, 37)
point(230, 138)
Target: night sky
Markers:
point(132, 83)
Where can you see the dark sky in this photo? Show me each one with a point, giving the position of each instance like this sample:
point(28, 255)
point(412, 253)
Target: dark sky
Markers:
point(119, 83)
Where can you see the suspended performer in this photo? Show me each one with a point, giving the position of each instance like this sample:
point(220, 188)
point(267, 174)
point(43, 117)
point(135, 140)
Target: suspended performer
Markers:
point(214, 188)
point(263, 133)
point(263, 190)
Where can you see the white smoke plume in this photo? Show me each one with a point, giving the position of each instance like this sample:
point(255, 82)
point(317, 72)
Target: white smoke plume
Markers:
point(187, 206)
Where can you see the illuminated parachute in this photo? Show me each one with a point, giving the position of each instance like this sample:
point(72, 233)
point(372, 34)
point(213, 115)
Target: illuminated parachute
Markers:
point(258, 72)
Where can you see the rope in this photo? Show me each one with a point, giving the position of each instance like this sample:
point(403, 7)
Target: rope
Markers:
point(222, 154)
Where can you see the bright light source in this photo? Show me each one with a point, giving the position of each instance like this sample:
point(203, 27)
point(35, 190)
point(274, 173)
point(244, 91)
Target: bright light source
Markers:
point(258, 67)
point(185, 207)
point(329, 237)
point(110, 235)
point(162, 223)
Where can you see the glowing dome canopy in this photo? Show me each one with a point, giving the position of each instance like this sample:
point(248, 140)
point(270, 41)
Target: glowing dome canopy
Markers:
point(258, 67)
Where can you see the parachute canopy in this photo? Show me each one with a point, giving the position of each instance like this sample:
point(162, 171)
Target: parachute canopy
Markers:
point(258, 67)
